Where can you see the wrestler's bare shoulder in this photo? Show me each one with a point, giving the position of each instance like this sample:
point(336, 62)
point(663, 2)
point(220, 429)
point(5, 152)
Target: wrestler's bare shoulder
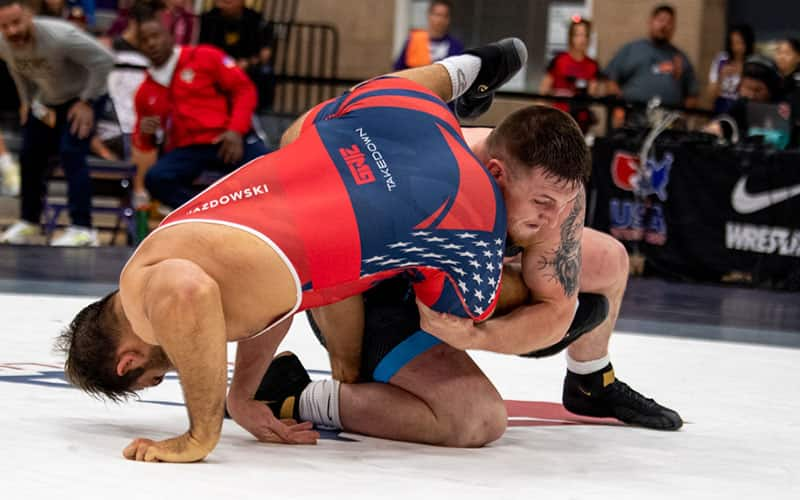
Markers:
point(256, 286)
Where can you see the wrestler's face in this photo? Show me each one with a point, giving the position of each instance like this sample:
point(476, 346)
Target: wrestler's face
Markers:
point(534, 200)
point(16, 24)
point(155, 368)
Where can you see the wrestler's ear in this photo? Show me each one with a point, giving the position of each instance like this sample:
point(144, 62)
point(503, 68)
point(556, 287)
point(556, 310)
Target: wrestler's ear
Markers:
point(498, 169)
point(129, 360)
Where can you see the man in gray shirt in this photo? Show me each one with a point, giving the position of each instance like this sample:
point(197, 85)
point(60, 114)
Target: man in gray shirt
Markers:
point(653, 67)
point(60, 73)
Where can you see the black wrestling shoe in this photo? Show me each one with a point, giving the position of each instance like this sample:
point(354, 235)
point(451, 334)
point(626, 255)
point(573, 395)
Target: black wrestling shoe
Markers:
point(600, 394)
point(499, 62)
point(281, 386)
point(592, 310)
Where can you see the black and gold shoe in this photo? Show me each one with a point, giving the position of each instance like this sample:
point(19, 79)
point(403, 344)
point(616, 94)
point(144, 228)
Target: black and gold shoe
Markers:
point(282, 385)
point(600, 394)
point(500, 61)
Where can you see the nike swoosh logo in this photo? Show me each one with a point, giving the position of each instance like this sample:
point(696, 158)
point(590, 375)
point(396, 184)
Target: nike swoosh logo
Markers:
point(748, 203)
point(580, 388)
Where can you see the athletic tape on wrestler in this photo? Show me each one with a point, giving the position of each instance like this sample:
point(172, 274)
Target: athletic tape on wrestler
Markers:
point(592, 310)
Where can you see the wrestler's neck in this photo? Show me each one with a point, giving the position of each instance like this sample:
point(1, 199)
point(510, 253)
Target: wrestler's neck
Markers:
point(475, 138)
point(124, 327)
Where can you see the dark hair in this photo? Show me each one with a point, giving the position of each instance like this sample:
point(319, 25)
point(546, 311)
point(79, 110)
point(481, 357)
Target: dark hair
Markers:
point(144, 11)
point(664, 7)
point(543, 137)
point(574, 24)
point(9, 3)
point(446, 3)
point(764, 70)
point(747, 35)
point(794, 43)
point(90, 344)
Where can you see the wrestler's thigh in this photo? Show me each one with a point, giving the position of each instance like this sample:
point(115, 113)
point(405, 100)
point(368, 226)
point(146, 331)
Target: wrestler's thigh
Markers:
point(448, 380)
point(604, 261)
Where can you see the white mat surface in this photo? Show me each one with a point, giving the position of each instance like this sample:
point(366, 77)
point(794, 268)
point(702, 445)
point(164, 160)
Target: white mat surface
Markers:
point(743, 439)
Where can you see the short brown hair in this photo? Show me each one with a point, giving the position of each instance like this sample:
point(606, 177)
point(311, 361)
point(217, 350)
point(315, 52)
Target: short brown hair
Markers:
point(664, 7)
point(446, 3)
point(90, 344)
point(546, 138)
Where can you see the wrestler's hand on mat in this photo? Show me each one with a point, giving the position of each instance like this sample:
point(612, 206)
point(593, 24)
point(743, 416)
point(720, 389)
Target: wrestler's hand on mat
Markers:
point(452, 330)
point(81, 118)
point(258, 420)
point(230, 146)
point(181, 449)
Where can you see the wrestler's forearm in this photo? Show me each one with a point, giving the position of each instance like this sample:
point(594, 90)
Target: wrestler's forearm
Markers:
point(525, 329)
point(253, 357)
point(188, 323)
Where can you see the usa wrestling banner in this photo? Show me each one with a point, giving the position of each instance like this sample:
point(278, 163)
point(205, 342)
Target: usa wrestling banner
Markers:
point(701, 211)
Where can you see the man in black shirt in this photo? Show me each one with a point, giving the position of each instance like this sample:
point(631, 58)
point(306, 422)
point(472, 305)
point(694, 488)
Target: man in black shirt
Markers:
point(242, 33)
point(237, 30)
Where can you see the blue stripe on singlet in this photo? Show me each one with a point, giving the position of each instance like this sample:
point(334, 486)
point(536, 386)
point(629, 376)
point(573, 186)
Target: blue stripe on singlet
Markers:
point(402, 354)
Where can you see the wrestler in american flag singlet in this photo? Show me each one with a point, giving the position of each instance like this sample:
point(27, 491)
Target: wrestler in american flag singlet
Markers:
point(379, 182)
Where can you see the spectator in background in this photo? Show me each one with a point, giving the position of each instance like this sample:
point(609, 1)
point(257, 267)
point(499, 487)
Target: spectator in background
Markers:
point(787, 58)
point(60, 73)
point(761, 83)
point(179, 21)
point(9, 171)
point(80, 12)
point(423, 47)
point(238, 30)
point(202, 102)
point(115, 123)
point(726, 69)
point(653, 67)
point(120, 22)
point(9, 104)
point(54, 8)
point(573, 73)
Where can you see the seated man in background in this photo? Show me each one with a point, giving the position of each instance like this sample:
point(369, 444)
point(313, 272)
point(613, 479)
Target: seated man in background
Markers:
point(238, 31)
point(202, 102)
point(60, 73)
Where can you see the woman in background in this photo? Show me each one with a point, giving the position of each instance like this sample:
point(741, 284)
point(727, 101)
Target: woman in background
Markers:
point(573, 73)
point(726, 70)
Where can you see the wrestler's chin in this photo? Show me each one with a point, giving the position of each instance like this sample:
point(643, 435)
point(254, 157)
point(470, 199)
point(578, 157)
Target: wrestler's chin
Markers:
point(524, 234)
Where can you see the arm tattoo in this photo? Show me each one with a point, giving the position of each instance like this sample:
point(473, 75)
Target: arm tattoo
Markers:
point(564, 262)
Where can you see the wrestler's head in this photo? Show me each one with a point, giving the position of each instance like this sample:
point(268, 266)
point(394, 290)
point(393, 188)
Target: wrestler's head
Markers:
point(104, 357)
point(540, 160)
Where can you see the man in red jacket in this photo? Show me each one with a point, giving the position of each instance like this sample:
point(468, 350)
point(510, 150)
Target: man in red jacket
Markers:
point(202, 102)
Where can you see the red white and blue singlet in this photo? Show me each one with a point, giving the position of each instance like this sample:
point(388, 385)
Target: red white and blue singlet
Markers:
point(380, 181)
